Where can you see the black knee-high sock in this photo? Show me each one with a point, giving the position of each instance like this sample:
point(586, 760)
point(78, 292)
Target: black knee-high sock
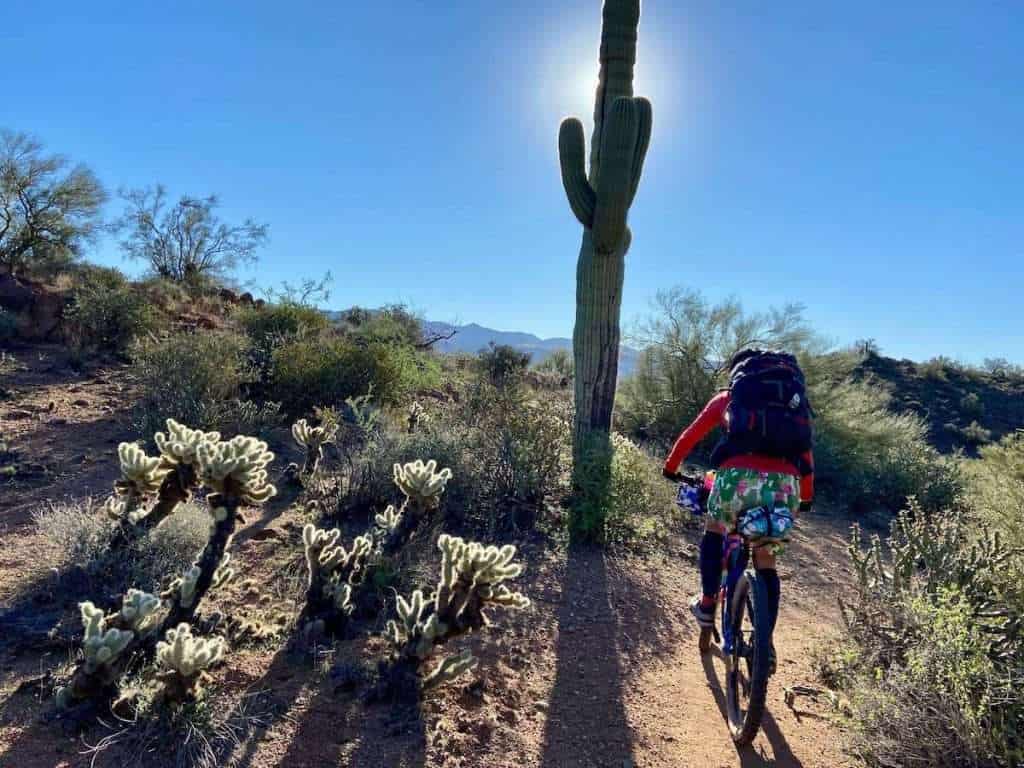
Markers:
point(711, 563)
point(773, 586)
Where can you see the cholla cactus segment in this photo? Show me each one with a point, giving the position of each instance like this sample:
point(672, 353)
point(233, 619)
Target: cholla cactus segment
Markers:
point(422, 483)
point(470, 567)
point(223, 574)
point(101, 645)
point(186, 655)
point(242, 459)
point(137, 609)
point(141, 475)
point(180, 444)
point(340, 595)
point(313, 437)
point(451, 668)
point(183, 588)
point(388, 520)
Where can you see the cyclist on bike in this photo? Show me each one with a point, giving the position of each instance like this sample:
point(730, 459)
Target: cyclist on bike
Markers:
point(763, 460)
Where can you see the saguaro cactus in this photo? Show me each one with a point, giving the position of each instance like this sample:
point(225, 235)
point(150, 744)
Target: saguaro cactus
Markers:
point(601, 201)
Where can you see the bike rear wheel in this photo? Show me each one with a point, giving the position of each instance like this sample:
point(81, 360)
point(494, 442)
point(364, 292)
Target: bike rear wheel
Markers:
point(747, 666)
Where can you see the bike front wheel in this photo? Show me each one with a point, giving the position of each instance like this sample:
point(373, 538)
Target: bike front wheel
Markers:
point(747, 666)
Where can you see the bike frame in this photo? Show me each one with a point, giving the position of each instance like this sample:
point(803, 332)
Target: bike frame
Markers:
point(735, 556)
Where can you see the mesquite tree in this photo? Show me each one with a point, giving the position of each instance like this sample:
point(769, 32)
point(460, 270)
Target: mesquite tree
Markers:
point(601, 201)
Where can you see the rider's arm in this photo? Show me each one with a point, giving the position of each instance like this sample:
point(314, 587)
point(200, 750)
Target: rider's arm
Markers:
point(807, 483)
point(708, 419)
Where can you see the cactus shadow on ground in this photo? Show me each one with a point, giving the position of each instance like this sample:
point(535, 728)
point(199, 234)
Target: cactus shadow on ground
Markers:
point(588, 687)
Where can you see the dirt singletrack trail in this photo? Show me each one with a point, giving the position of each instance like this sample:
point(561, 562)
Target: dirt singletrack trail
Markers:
point(630, 687)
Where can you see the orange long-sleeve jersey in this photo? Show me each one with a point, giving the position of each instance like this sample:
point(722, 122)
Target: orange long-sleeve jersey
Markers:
point(713, 416)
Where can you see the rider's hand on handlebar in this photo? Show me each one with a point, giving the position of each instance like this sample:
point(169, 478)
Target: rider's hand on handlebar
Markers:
point(675, 477)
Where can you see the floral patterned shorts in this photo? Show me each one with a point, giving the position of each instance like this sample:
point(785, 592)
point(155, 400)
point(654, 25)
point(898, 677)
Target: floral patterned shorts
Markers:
point(737, 490)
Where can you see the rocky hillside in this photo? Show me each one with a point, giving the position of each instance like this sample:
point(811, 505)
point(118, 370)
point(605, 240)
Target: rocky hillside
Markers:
point(964, 407)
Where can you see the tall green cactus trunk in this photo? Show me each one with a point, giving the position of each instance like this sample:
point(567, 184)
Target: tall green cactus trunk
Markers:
point(600, 201)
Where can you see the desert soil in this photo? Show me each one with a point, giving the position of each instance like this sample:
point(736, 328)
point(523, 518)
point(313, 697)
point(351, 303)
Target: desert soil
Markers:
point(603, 671)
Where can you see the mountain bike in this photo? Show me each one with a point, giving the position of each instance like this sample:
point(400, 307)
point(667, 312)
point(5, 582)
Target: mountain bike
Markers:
point(746, 637)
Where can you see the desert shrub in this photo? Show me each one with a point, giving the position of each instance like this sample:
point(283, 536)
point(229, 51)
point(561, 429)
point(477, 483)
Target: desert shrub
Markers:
point(975, 434)
point(972, 405)
point(197, 379)
point(508, 453)
point(559, 363)
point(935, 659)
point(106, 312)
point(995, 484)
point(502, 365)
point(79, 534)
point(326, 370)
point(867, 454)
point(268, 323)
point(936, 369)
point(394, 325)
point(628, 505)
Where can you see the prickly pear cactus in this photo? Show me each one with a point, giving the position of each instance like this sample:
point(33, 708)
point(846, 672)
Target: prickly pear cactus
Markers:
point(600, 201)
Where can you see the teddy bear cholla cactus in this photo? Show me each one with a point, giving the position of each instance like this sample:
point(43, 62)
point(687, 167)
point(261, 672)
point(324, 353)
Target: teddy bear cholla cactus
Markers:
point(183, 660)
point(333, 572)
point(169, 477)
point(472, 579)
point(106, 641)
point(313, 439)
point(423, 485)
point(236, 472)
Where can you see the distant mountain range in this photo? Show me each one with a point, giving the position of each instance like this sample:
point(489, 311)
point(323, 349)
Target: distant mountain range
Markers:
point(472, 338)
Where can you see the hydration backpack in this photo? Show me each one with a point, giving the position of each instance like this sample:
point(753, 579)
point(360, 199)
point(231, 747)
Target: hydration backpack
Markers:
point(769, 413)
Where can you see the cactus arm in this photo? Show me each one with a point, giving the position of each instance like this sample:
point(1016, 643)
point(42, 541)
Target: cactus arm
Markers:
point(571, 153)
point(645, 120)
point(615, 185)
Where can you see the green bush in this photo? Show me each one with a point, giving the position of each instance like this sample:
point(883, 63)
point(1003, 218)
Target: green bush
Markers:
point(197, 379)
point(996, 486)
point(629, 505)
point(972, 405)
point(868, 455)
point(935, 660)
point(502, 365)
point(107, 312)
point(326, 370)
point(508, 455)
point(271, 322)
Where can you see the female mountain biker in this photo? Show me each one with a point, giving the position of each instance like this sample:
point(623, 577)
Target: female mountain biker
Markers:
point(763, 459)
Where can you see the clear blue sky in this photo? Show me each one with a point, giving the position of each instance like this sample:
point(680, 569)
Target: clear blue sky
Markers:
point(864, 158)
